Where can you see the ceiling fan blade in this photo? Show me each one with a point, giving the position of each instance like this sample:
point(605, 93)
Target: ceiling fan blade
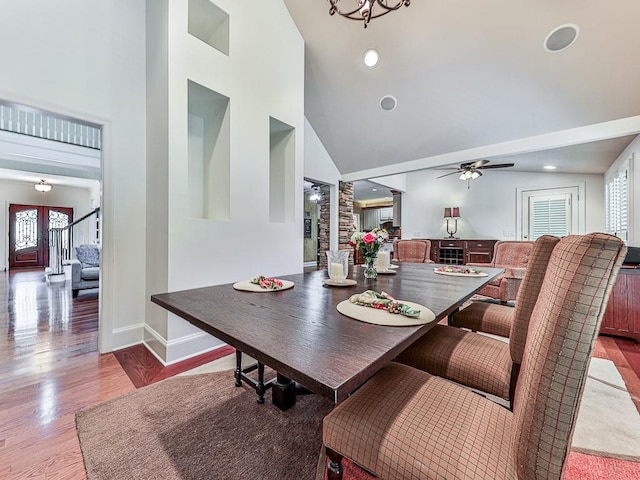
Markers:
point(498, 165)
point(477, 164)
point(446, 168)
point(447, 174)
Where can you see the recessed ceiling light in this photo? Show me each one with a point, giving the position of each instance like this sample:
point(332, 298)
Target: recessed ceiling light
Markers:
point(561, 38)
point(371, 58)
point(374, 189)
point(550, 167)
point(388, 103)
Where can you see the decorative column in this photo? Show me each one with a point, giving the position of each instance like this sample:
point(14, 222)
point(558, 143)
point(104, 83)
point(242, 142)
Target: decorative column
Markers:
point(324, 225)
point(345, 217)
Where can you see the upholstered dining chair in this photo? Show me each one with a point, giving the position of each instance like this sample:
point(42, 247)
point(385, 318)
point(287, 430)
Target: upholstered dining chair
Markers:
point(415, 251)
point(513, 256)
point(497, 319)
point(406, 424)
point(478, 361)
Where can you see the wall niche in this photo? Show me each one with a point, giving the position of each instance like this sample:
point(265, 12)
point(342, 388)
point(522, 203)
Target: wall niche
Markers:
point(209, 153)
point(281, 171)
point(209, 23)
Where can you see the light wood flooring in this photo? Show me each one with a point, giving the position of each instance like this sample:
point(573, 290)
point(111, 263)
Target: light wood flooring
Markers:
point(50, 368)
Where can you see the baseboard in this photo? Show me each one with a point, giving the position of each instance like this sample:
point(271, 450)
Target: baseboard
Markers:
point(173, 351)
point(127, 336)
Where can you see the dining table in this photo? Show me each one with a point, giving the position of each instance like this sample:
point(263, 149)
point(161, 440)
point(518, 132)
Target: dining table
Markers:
point(299, 333)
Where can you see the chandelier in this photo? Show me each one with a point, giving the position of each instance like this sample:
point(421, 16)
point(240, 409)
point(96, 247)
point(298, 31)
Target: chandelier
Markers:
point(365, 9)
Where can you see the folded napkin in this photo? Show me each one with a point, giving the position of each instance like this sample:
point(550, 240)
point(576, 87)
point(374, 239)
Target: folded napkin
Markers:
point(267, 283)
point(383, 301)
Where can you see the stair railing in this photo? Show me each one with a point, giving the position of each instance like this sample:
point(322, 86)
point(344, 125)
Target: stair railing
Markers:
point(61, 243)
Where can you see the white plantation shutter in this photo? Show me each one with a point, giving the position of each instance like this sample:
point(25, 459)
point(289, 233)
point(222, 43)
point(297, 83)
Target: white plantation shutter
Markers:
point(550, 215)
point(617, 203)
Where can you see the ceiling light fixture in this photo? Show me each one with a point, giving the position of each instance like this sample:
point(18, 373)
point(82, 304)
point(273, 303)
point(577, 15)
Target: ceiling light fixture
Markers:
point(561, 38)
point(43, 186)
point(371, 58)
point(364, 9)
point(315, 194)
point(549, 167)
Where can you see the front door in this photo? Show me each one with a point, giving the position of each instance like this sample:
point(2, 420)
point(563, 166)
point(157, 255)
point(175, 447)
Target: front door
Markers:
point(29, 233)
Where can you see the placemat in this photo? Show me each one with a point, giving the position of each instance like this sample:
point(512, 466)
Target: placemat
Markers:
point(247, 286)
point(345, 283)
point(457, 274)
point(382, 317)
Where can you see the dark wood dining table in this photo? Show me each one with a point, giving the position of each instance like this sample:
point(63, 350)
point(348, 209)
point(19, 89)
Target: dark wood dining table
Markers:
point(299, 333)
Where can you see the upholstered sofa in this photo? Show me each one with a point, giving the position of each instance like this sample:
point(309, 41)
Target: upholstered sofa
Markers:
point(85, 268)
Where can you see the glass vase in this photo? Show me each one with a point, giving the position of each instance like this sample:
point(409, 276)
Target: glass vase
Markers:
point(369, 268)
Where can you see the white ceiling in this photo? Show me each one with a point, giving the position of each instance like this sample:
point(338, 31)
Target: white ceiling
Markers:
point(473, 80)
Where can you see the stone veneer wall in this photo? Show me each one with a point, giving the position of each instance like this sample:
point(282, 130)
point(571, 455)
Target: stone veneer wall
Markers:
point(324, 225)
point(345, 217)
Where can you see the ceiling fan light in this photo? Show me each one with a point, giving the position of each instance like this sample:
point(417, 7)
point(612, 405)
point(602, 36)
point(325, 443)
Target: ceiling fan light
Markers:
point(475, 174)
point(463, 176)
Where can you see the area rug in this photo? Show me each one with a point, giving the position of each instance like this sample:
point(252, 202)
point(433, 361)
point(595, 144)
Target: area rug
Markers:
point(608, 422)
point(200, 426)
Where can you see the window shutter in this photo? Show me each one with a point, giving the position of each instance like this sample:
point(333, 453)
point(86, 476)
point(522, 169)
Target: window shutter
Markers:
point(550, 215)
point(617, 204)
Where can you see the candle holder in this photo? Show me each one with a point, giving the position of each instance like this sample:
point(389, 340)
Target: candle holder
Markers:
point(338, 265)
point(452, 213)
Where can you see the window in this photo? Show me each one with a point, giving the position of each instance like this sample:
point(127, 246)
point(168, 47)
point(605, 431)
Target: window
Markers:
point(617, 202)
point(550, 211)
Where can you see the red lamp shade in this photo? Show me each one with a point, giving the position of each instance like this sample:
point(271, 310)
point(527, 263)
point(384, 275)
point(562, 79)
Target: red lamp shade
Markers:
point(447, 212)
point(456, 212)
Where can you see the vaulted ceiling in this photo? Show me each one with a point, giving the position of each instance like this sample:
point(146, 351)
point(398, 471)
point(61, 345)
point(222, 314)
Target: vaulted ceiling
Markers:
point(472, 80)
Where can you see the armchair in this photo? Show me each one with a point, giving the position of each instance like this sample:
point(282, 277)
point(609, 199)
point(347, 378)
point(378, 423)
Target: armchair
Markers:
point(415, 251)
point(513, 256)
point(405, 423)
point(85, 268)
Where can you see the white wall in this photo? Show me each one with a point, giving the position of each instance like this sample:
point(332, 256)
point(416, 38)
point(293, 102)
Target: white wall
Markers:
point(86, 59)
point(263, 76)
point(12, 192)
point(488, 208)
point(319, 166)
point(632, 152)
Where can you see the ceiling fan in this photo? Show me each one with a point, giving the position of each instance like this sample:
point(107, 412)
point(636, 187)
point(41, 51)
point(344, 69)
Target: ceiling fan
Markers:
point(470, 170)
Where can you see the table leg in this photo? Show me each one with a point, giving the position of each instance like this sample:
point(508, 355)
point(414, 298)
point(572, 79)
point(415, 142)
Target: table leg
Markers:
point(283, 393)
point(238, 371)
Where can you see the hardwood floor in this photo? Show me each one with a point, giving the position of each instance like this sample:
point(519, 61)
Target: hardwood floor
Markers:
point(50, 368)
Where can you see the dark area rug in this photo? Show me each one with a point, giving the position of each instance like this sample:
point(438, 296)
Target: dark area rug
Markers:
point(201, 427)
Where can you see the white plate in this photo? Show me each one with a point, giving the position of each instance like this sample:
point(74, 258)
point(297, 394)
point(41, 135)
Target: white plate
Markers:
point(247, 286)
point(345, 283)
point(458, 274)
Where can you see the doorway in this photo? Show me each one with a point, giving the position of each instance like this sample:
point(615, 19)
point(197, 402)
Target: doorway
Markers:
point(316, 222)
point(29, 233)
point(552, 211)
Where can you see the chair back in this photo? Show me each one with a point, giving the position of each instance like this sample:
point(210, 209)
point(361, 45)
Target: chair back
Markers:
point(563, 328)
point(528, 294)
point(416, 251)
point(512, 253)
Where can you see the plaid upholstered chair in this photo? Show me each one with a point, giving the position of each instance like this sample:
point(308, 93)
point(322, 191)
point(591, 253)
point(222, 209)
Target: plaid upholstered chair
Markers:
point(497, 319)
point(513, 256)
point(415, 251)
point(406, 424)
point(478, 361)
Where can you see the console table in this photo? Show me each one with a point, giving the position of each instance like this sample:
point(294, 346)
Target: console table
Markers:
point(457, 251)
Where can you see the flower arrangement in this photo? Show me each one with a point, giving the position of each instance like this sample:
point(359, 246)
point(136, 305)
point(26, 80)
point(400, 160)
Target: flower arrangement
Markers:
point(370, 242)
